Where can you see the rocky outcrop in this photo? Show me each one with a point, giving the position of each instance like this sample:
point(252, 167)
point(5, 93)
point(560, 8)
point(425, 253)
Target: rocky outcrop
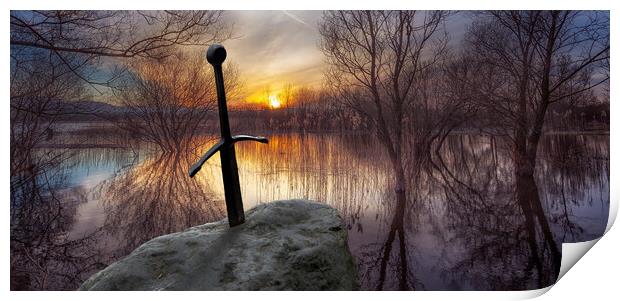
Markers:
point(283, 245)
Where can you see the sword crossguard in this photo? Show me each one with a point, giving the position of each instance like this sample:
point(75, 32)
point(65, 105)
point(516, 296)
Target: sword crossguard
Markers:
point(260, 139)
point(218, 146)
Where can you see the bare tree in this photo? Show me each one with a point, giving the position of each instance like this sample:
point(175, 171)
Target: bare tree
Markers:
point(534, 59)
point(36, 85)
point(166, 101)
point(528, 61)
point(287, 95)
point(377, 59)
point(377, 62)
point(303, 98)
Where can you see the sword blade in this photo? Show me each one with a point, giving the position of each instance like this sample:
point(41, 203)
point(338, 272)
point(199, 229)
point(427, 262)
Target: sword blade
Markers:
point(232, 189)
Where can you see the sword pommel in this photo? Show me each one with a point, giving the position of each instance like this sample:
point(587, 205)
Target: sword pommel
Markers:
point(216, 54)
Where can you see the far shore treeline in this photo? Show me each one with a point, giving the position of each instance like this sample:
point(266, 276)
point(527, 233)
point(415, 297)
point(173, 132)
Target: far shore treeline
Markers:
point(589, 117)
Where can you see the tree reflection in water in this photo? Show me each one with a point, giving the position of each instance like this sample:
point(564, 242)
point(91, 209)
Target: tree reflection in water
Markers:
point(155, 198)
point(42, 213)
point(510, 235)
point(396, 227)
point(393, 253)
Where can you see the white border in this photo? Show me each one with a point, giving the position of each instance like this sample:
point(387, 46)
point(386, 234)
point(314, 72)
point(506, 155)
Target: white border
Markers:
point(596, 276)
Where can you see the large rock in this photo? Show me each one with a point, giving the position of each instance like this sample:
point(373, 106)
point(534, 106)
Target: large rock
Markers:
point(284, 245)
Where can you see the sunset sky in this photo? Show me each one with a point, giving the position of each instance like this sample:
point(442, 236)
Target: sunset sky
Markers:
point(273, 48)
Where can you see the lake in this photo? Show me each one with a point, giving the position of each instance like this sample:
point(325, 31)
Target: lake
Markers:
point(461, 229)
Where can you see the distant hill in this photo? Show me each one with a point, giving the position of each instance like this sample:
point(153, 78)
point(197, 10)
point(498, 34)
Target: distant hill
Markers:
point(86, 110)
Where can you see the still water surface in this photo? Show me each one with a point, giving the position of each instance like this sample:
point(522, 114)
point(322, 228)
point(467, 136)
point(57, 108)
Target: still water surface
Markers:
point(459, 232)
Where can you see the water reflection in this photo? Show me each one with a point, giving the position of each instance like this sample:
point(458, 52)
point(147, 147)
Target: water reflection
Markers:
point(464, 216)
point(42, 213)
point(51, 183)
point(400, 267)
point(503, 223)
point(154, 198)
point(463, 224)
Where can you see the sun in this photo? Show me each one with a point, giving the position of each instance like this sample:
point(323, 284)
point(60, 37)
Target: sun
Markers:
point(274, 102)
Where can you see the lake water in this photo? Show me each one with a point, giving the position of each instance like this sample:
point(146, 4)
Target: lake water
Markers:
point(461, 229)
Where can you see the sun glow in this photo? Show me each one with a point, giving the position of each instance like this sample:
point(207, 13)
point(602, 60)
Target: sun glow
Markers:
point(274, 102)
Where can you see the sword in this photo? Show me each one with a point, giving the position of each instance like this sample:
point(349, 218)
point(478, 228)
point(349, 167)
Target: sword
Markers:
point(216, 54)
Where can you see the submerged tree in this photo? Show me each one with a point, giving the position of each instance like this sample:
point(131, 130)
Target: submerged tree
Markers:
point(378, 61)
point(528, 61)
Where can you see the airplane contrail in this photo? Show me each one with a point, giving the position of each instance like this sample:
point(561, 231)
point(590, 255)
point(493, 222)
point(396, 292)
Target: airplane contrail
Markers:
point(296, 18)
